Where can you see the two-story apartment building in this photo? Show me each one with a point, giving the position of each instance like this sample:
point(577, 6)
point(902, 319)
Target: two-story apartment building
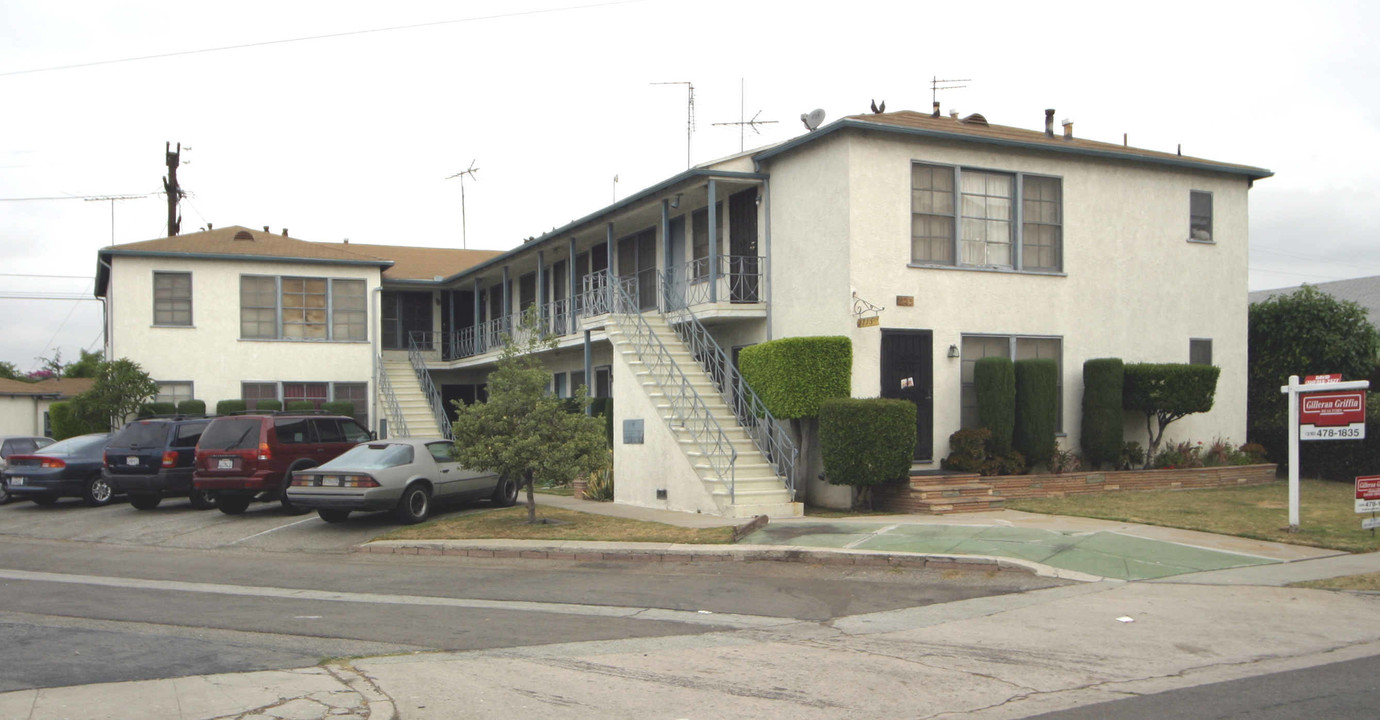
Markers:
point(929, 240)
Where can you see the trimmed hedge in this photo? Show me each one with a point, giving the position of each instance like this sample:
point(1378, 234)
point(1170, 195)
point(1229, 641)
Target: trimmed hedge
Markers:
point(225, 407)
point(340, 407)
point(1037, 408)
point(269, 405)
point(65, 422)
point(995, 381)
point(1169, 389)
point(192, 407)
point(866, 442)
point(157, 408)
point(1103, 430)
point(300, 406)
point(795, 376)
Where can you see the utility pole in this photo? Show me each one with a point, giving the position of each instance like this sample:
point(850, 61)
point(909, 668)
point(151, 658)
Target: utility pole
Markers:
point(171, 188)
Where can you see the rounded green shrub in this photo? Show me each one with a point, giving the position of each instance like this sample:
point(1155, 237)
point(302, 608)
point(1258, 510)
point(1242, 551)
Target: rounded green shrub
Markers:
point(269, 405)
point(340, 407)
point(300, 406)
point(192, 407)
point(225, 407)
point(157, 408)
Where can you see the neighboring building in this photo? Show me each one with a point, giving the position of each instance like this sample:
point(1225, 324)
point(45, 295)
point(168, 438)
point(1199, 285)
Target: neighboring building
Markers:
point(1364, 291)
point(24, 405)
point(929, 241)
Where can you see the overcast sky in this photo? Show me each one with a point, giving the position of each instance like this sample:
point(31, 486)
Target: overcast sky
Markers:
point(353, 135)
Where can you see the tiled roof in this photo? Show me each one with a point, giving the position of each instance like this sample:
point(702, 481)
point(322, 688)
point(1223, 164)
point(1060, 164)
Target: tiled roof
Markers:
point(420, 263)
point(977, 129)
point(62, 387)
point(235, 240)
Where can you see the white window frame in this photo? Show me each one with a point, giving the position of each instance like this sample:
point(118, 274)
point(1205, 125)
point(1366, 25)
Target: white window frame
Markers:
point(1016, 221)
point(175, 397)
point(159, 274)
point(332, 324)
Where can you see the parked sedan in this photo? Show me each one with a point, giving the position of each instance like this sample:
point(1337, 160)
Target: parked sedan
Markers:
point(402, 474)
point(17, 445)
point(69, 468)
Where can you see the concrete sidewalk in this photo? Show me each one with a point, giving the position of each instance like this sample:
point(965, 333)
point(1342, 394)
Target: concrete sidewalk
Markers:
point(1214, 612)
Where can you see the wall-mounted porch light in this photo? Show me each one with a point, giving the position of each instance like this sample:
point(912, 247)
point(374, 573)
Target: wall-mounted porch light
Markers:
point(953, 351)
point(675, 201)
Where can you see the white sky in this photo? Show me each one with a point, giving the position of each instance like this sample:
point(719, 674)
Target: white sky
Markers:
point(352, 136)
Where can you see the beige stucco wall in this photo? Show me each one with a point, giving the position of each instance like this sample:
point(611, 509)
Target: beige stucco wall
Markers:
point(21, 415)
point(210, 353)
point(1132, 286)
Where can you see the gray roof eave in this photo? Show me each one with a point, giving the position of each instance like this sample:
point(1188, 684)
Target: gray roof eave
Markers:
point(107, 253)
point(1253, 173)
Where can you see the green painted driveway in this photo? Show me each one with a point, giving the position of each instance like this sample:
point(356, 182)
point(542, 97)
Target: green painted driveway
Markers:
point(1106, 554)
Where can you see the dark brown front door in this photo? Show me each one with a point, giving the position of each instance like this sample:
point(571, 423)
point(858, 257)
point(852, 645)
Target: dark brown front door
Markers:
point(907, 374)
point(743, 267)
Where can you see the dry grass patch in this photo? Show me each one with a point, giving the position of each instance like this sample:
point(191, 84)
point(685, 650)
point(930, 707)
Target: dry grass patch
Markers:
point(1326, 512)
point(511, 524)
point(1369, 582)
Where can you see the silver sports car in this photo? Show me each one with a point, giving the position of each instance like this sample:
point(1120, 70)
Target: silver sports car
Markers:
point(403, 475)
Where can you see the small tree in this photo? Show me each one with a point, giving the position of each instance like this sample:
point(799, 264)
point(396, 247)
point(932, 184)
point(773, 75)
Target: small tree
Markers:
point(87, 367)
point(8, 371)
point(994, 379)
point(121, 388)
point(1166, 392)
point(1103, 430)
point(522, 431)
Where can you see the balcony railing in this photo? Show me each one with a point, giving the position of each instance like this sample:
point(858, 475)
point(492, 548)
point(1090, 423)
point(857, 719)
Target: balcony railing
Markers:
point(738, 280)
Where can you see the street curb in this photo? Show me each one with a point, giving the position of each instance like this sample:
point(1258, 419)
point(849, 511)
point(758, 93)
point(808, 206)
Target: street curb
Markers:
point(582, 551)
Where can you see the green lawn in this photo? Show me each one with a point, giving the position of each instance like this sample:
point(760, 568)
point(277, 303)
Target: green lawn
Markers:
point(1326, 512)
point(511, 524)
point(1370, 582)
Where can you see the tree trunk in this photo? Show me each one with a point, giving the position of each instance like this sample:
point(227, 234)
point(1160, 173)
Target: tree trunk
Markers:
point(531, 500)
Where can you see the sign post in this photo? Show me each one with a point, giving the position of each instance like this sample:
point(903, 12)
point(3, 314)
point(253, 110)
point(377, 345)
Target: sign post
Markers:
point(1331, 416)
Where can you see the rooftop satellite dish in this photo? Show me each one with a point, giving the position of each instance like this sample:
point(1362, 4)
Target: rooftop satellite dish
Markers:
point(813, 119)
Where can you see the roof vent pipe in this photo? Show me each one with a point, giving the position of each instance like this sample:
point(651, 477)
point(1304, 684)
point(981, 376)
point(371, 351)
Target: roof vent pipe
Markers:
point(1049, 122)
point(936, 109)
point(266, 229)
point(953, 113)
point(284, 232)
point(1068, 129)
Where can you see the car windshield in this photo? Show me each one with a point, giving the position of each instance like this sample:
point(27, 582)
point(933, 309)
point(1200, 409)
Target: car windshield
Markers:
point(231, 434)
point(371, 456)
point(80, 445)
point(141, 434)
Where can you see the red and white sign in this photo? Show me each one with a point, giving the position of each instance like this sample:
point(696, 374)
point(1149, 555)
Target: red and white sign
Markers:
point(1322, 379)
point(1368, 493)
point(1333, 416)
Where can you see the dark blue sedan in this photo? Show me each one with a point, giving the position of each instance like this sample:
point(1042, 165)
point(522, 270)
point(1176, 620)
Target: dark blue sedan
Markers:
point(70, 468)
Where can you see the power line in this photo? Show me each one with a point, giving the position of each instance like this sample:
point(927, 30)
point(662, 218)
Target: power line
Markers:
point(82, 197)
point(348, 33)
point(34, 275)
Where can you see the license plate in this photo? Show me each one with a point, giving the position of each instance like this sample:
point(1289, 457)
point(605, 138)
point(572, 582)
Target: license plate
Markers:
point(131, 460)
point(225, 464)
point(16, 481)
point(330, 481)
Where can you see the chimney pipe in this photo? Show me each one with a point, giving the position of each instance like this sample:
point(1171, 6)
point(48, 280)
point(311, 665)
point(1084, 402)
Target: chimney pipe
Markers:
point(1068, 129)
point(1049, 122)
point(266, 229)
point(284, 232)
point(209, 226)
point(953, 113)
point(936, 109)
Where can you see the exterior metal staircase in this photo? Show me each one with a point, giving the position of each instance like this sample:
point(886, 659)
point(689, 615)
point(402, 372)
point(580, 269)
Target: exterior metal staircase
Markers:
point(409, 401)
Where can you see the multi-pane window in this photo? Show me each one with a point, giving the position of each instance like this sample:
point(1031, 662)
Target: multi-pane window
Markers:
point(299, 308)
point(932, 214)
point(1042, 223)
point(1200, 351)
point(968, 218)
point(173, 392)
point(976, 347)
point(1200, 216)
point(253, 392)
point(172, 298)
point(358, 395)
point(258, 307)
point(986, 226)
point(315, 393)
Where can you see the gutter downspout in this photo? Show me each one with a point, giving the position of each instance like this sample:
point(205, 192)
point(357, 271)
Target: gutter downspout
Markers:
point(107, 312)
point(766, 242)
point(374, 330)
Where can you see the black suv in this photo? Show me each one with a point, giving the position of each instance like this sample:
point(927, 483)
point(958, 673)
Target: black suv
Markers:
point(153, 458)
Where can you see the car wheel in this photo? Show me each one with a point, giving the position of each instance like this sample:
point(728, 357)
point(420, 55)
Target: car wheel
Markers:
point(44, 499)
point(203, 499)
point(415, 504)
point(232, 504)
point(333, 516)
point(4, 493)
point(506, 492)
point(97, 492)
point(145, 502)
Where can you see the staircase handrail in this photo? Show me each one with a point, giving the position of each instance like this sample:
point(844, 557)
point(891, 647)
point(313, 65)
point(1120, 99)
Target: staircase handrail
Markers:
point(429, 391)
point(686, 403)
point(767, 433)
point(391, 400)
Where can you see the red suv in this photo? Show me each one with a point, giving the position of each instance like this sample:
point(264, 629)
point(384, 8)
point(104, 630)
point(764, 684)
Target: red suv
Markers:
point(241, 457)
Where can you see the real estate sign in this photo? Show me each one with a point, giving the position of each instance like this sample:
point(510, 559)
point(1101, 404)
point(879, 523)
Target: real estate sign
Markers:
point(1333, 416)
point(1368, 493)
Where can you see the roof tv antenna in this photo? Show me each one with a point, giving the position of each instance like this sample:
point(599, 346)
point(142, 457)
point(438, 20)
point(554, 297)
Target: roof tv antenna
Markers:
point(689, 113)
point(936, 85)
point(743, 124)
point(813, 119)
point(470, 173)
